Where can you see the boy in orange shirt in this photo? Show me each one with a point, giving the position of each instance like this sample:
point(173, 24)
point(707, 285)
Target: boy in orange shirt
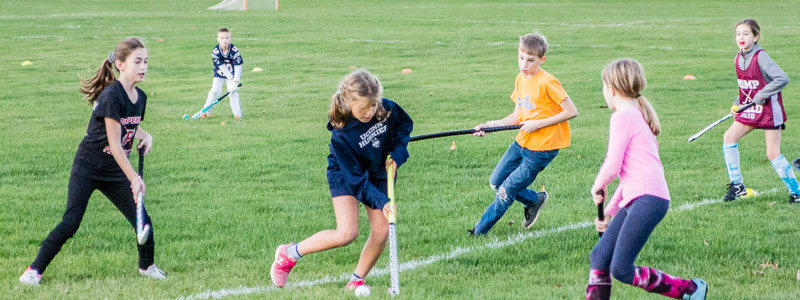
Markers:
point(542, 107)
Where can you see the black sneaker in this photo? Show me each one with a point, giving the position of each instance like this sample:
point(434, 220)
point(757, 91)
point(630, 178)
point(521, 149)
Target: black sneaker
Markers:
point(796, 164)
point(532, 213)
point(735, 190)
point(793, 198)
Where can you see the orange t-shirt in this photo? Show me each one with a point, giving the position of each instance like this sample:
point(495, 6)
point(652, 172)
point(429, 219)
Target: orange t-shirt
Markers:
point(539, 98)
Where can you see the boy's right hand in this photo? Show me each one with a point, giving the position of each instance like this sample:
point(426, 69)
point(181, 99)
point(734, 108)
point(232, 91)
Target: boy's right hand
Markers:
point(479, 132)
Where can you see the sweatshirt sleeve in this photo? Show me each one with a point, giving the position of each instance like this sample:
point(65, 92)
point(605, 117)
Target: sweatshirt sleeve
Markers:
point(237, 73)
point(619, 137)
point(356, 178)
point(402, 125)
point(772, 73)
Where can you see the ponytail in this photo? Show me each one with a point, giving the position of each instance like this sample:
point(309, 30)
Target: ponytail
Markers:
point(649, 115)
point(339, 112)
point(626, 76)
point(104, 76)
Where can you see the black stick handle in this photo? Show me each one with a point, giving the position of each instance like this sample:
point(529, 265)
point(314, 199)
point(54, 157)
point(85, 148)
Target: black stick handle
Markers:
point(464, 131)
point(600, 212)
point(141, 162)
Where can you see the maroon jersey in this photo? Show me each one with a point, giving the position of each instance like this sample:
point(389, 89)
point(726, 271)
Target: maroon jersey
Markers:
point(750, 80)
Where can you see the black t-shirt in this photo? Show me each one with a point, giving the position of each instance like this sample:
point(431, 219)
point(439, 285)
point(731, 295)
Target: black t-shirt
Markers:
point(94, 155)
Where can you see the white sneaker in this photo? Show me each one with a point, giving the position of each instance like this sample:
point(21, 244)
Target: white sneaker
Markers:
point(30, 277)
point(152, 271)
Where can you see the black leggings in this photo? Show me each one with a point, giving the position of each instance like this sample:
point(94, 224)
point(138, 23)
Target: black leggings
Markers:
point(80, 189)
point(626, 236)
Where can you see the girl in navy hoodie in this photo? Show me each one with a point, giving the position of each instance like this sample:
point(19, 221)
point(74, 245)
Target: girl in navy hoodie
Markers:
point(365, 129)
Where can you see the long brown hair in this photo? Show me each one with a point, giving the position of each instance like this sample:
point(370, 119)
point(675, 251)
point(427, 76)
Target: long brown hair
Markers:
point(359, 83)
point(104, 76)
point(754, 28)
point(626, 76)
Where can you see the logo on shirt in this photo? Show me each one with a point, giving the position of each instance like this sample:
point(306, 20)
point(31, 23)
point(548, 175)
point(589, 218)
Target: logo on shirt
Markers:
point(748, 84)
point(525, 103)
point(130, 120)
point(371, 136)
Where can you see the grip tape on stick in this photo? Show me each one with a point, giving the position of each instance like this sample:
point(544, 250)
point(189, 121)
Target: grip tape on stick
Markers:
point(464, 131)
point(600, 212)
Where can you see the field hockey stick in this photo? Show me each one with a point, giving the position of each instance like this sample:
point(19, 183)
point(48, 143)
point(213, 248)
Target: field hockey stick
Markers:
point(208, 107)
point(728, 116)
point(393, 265)
point(600, 213)
point(465, 131)
point(142, 229)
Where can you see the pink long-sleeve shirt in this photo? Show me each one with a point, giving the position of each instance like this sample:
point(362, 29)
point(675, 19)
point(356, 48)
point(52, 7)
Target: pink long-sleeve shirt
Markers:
point(633, 156)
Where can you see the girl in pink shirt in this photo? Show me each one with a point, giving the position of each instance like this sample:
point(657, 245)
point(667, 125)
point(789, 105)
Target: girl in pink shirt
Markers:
point(642, 197)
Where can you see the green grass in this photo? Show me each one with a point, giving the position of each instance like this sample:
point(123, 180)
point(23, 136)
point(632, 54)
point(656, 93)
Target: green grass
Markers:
point(222, 197)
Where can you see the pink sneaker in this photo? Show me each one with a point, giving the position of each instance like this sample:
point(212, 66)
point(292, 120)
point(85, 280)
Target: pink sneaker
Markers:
point(352, 285)
point(283, 264)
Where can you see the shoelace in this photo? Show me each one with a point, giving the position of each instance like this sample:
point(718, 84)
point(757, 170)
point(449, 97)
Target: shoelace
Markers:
point(354, 284)
point(284, 264)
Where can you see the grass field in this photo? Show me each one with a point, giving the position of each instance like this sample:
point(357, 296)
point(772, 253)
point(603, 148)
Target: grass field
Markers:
point(222, 197)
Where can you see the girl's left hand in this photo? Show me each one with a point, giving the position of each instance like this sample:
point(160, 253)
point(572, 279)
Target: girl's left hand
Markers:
point(389, 208)
point(147, 143)
point(596, 196)
point(390, 162)
point(601, 226)
point(531, 125)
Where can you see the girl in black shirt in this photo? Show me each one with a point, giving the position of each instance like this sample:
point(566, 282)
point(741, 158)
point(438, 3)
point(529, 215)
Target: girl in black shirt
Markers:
point(101, 162)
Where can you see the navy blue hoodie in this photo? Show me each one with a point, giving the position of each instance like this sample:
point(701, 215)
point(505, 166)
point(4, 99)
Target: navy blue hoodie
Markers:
point(357, 163)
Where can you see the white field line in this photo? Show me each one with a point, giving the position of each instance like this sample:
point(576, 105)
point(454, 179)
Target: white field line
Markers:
point(417, 263)
point(39, 37)
point(374, 41)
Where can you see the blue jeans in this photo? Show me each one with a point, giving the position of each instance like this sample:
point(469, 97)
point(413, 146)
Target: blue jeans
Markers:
point(510, 179)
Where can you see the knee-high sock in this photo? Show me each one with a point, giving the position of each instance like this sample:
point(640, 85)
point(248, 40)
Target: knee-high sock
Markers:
point(731, 154)
point(655, 281)
point(599, 287)
point(781, 165)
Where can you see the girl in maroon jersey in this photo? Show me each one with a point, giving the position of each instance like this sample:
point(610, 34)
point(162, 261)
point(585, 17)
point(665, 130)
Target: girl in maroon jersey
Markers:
point(760, 80)
point(101, 162)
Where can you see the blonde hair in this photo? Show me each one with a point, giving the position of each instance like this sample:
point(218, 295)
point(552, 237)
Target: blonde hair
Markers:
point(359, 83)
point(533, 44)
point(104, 76)
point(626, 77)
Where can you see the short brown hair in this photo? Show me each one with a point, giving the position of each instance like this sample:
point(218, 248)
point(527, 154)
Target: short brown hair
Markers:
point(223, 29)
point(533, 44)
